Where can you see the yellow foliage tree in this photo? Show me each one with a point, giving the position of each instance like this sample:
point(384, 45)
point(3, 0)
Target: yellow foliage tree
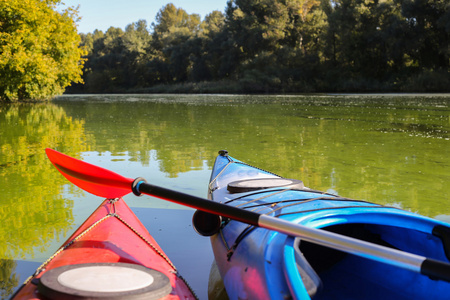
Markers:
point(39, 49)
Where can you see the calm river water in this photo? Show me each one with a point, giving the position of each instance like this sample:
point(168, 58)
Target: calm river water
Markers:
point(388, 149)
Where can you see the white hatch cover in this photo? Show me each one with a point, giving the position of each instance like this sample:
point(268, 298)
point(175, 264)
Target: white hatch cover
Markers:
point(104, 280)
point(250, 185)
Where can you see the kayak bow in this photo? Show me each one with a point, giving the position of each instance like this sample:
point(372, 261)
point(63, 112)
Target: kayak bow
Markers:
point(110, 256)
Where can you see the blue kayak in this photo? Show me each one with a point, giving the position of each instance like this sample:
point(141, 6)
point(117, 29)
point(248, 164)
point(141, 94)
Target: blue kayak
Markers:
point(257, 263)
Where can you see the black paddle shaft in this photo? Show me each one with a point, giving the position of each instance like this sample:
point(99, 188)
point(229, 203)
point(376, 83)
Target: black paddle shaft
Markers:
point(238, 214)
point(426, 266)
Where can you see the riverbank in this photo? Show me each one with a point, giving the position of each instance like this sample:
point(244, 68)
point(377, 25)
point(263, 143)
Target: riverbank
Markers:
point(426, 82)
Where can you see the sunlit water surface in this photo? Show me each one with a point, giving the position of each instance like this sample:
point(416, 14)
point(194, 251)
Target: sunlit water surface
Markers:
point(388, 149)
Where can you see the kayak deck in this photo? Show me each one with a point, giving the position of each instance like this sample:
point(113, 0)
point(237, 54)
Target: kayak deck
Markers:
point(263, 264)
point(111, 238)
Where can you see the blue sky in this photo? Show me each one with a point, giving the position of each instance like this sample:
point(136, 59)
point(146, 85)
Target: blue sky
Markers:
point(102, 14)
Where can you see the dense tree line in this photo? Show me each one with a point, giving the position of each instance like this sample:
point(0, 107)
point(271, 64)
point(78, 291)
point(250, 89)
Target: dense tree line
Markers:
point(277, 46)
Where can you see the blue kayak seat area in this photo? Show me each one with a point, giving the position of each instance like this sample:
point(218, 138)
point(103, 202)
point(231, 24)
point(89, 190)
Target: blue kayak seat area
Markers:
point(354, 277)
point(323, 258)
point(311, 280)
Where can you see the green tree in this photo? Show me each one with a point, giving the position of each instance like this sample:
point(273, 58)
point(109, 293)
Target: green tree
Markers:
point(429, 22)
point(169, 53)
point(104, 67)
point(117, 59)
point(271, 40)
point(341, 33)
point(207, 49)
point(267, 25)
point(173, 26)
point(213, 24)
point(39, 49)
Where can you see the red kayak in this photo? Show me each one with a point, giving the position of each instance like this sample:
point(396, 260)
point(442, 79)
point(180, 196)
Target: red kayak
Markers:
point(111, 256)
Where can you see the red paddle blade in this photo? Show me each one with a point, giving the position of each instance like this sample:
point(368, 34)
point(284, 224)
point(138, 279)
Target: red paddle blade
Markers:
point(92, 179)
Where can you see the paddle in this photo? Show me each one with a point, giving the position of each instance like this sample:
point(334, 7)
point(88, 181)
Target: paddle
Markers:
point(105, 183)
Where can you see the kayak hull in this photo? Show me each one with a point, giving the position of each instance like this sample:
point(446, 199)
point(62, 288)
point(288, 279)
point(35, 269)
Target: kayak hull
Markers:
point(111, 237)
point(257, 263)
